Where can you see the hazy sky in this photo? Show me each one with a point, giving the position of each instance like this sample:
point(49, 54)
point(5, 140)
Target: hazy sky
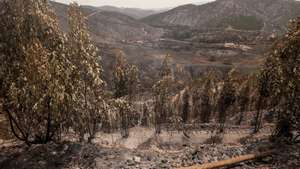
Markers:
point(145, 4)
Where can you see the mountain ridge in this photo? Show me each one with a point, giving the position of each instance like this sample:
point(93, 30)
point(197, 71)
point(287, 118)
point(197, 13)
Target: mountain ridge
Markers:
point(267, 15)
point(136, 13)
point(109, 26)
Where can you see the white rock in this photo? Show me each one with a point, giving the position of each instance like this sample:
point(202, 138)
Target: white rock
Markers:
point(137, 159)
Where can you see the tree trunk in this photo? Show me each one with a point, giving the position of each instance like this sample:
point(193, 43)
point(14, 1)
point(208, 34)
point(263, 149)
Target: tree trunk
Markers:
point(230, 162)
point(257, 123)
point(241, 118)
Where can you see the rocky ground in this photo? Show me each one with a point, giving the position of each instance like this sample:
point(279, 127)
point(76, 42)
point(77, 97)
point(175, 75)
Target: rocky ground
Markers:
point(85, 156)
point(152, 154)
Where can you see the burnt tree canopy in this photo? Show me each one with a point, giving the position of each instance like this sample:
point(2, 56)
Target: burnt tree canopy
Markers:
point(281, 76)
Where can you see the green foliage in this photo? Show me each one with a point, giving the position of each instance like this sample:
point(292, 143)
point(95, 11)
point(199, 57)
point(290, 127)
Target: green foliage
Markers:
point(245, 22)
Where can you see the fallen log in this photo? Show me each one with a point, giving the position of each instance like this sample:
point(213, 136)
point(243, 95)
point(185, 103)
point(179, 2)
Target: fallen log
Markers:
point(230, 162)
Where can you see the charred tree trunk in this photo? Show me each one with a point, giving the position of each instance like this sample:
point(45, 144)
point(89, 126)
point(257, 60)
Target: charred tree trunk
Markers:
point(230, 162)
point(145, 117)
point(124, 124)
point(242, 110)
point(258, 116)
point(185, 107)
point(22, 135)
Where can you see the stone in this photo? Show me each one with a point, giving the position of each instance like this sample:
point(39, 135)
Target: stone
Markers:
point(42, 163)
point(164, 161)
point(130, 163)
point(137, 159)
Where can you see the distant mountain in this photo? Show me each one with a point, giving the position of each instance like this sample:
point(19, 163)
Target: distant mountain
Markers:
point(107, 26)
point(115, 26)
point(203, 2)
point(132, 12)
point(267, 15)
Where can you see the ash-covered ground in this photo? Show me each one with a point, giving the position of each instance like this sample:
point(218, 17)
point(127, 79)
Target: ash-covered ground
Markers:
point(145, 150)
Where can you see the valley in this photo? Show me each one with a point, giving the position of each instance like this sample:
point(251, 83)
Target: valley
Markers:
point(195, 36)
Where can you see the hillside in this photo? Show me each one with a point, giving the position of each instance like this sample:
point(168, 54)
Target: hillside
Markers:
point(113, 26)
point(145, 45)
point(107, 26)
point(266, 15)
point(132, 12)
point(191, 45)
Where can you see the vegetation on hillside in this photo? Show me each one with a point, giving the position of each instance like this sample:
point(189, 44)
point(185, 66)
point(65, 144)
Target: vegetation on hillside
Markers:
point(244, 23)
